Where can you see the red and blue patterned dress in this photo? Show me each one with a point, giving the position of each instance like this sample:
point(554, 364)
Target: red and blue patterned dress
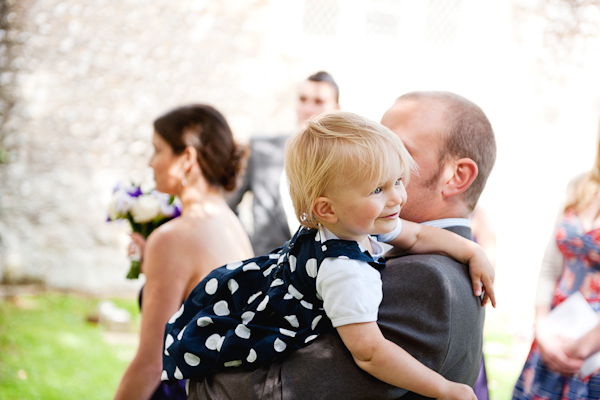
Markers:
point(581, 271)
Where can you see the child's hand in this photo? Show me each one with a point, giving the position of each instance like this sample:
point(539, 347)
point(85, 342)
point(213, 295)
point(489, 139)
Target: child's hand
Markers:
point(458, 391)
point(482, 274)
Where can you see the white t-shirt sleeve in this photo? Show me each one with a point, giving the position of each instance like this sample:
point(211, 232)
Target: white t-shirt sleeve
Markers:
point(351, 291)
point(388, 237)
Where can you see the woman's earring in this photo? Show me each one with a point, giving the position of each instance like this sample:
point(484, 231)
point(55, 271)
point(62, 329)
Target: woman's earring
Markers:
point(183, 181)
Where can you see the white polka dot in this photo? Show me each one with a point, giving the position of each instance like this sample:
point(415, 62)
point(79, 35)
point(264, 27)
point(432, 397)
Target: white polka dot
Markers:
point(221, 308)
point(287, 332)
point(277, 282)
point(288, 296)
point(191, 359)
point(167, 353)
point(295, 292)
point(324, 248)
point(213, 341)
point(164, 376)
point(273, 256)
point(176, 315)
point(242, 331)
point(180, 335)
point(279, 345)
point(247, 317)
point(253, 297)
point(310, 338)
point(311, 268)
point(251, 356)
point(293, 261)
point(293, 320)
point(281, 258)
point(315, 321)
point(318, 236)
point(211, 286)
point(178, 374)
point(267, 271)
point(306, 304)
point(220, 343)
point(263, 304)
point(234, 363)
point(234, 265)
point(233, 285)
point(251, 267)
point(204, 321)
point(168, 341)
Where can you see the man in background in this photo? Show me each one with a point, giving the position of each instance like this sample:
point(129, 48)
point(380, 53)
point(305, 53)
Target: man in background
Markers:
point(274, 218)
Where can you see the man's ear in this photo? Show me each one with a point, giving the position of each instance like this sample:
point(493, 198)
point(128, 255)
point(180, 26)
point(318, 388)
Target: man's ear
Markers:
point(464, 173)
point(323, 210)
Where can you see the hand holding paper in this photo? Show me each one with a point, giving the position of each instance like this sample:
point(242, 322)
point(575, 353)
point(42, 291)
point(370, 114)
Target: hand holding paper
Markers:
point(572, 319)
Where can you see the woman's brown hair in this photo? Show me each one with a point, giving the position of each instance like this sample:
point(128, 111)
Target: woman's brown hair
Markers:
point(201, 126)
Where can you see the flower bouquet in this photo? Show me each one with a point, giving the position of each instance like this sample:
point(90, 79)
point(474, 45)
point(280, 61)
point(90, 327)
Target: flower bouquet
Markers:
point(145, 210)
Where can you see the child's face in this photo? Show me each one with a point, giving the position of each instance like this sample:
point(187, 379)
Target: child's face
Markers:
point(364, 207)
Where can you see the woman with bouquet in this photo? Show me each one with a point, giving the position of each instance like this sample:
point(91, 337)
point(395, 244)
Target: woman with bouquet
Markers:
point(196, 159)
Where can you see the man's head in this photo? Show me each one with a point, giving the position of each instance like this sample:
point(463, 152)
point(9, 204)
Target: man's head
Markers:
point(317, 94)
point(453, 143)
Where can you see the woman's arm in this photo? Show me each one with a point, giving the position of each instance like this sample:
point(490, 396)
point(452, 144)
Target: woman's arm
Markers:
point(388, 362)
point(166, 281)
point(422, 239)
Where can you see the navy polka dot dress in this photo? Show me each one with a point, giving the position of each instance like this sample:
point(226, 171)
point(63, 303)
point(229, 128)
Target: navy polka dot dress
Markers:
point(252, 311)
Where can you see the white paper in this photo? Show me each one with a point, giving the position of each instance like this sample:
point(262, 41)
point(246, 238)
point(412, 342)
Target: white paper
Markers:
point(573, 318)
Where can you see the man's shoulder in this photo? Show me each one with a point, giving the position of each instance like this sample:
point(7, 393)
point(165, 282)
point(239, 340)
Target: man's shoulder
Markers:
point(431, 260)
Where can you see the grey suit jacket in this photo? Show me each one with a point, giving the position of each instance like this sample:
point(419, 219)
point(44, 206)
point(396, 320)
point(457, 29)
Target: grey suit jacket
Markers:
point(428, 309)
point(262, 177)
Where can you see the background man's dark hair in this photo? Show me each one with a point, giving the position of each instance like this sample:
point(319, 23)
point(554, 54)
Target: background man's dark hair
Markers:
point(323, 76)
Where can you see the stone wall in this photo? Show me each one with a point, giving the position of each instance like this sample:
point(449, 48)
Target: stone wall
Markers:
point(81, 83)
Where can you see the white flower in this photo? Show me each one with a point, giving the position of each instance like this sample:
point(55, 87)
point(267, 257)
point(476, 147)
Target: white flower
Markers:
point(145, 209)
point(120, 204)
point(166, 209)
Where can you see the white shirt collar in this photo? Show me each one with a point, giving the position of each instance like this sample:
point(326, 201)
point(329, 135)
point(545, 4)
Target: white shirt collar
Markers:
point(448, 222)
point(378, 249)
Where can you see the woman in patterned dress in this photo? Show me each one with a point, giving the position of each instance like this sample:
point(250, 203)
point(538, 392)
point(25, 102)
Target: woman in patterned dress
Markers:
point(196, 159)
point(571, 263)
point(346, 176)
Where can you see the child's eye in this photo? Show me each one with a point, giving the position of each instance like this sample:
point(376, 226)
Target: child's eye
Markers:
point(376, 191)
point(398, 182)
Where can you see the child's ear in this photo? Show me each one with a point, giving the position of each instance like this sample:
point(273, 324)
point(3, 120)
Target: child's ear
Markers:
point(323, 211)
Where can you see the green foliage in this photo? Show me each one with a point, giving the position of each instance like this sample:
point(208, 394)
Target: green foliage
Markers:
point(48, 350)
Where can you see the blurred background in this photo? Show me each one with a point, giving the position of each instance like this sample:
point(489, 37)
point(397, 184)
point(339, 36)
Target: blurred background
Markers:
point(82, 81)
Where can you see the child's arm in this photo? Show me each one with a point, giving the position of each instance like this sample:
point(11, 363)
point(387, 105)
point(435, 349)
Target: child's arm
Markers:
point(388, 362)
point(422, 239)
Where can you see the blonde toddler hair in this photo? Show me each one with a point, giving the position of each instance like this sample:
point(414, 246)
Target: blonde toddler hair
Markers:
point(339, 145)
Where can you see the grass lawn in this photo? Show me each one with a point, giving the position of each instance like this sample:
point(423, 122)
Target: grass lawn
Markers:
point(506, 345)
point(48, 350)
